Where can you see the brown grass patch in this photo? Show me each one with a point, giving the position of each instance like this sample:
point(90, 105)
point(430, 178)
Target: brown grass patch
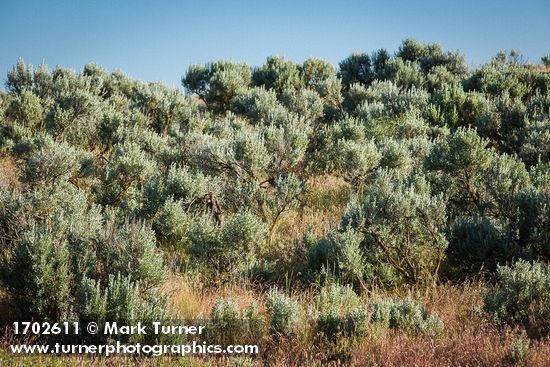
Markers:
point(327, 198)
point(9, 174)
point(192, 300)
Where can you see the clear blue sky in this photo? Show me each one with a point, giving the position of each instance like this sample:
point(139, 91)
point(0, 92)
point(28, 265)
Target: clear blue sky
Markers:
point(157, 40)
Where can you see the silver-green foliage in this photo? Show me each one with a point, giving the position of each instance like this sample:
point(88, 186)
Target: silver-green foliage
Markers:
point(339, 313)
point(230, 249)
point(63, 241)
point(522, 297)
point(282, 311)
point(402, 221)
point(407, 315)
point(228, 324)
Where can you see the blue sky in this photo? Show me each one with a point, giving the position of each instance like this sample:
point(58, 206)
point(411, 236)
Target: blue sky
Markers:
point(157, 40)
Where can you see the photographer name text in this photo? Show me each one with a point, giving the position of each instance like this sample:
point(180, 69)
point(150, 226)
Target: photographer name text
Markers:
point(112, 328)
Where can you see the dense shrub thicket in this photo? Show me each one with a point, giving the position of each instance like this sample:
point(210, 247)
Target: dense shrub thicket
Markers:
point(120, 182)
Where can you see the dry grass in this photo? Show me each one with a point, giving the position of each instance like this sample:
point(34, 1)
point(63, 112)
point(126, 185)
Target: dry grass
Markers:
point(470, 348)
point(539, 68)
point(191, 300)
point(7, 360)
point(467, 340)
point(9, 174)
point(327, 197)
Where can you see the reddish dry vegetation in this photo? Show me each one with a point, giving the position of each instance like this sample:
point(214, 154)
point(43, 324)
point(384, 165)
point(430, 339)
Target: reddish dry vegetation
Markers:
point(468, 339)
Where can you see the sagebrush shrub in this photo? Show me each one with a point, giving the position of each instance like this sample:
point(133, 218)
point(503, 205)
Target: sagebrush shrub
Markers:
point(519, 351)
point(402, 223)
point(522, 297)
point(476, 243)
point(339, 312)
point(532, 220)
point(60, 263)
point(129, 167)
point(282, 311)
point(331, 324)
point(51, 163)
point(278, 74)
point(171, 225)
point(130, 249)
point(340, 253)
point(336, 297)
point(123, 301)
point(407, 315)
point(227, 324)
point(354, 323)
point(218, 82)
point(40, 276)
point(27, 109)
point(229, 249)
